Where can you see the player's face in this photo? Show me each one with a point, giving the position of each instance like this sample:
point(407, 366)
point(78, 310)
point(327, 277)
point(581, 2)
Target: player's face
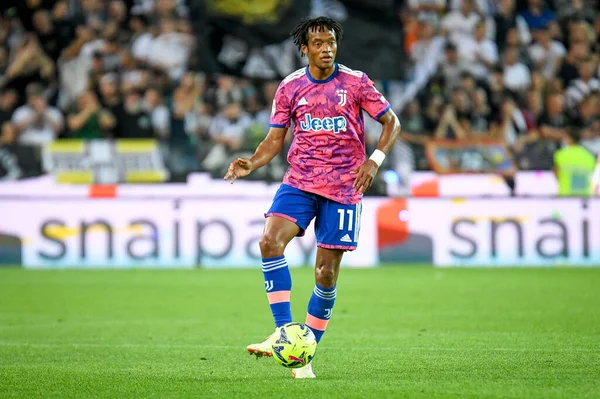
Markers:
point(321, 49)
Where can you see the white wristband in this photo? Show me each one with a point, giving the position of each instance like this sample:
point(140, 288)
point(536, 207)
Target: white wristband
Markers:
point(378, 156)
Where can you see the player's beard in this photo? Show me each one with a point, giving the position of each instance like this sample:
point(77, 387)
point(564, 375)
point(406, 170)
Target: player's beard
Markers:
point(323, 65)
point(327, 65)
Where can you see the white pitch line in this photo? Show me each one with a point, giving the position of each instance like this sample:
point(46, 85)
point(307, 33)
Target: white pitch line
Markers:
point(241, 348)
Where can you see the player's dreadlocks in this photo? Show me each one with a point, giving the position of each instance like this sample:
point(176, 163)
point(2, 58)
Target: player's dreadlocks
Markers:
point(300, 31)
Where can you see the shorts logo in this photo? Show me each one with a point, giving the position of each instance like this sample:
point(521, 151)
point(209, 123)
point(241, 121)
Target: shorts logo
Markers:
point(335, 124)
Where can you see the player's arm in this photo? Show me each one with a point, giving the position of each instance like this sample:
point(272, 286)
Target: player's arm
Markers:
point(273, 143)
point(265, 152)
point(390, 132)
point(269, 147)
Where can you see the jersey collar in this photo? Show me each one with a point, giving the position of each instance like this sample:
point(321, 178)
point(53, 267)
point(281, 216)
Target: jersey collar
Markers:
point(329, 79)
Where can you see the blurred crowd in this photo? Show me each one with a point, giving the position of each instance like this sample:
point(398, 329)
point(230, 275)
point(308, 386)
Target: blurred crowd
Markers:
point(521, 72)
point(92, 69)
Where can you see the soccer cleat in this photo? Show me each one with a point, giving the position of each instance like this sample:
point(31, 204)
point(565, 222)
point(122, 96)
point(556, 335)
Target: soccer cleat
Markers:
point(261, 349)
point(304, 372)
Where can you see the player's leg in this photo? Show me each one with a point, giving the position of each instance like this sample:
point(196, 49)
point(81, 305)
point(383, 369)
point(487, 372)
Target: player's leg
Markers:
point(289, 215)
point(320, 305)
point(278, 232)
point(337, 227)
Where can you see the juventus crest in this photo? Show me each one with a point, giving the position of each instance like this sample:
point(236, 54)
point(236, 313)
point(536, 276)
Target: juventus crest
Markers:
point(341, 93)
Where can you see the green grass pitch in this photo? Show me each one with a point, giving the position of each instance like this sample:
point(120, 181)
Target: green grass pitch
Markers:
point(399, 332)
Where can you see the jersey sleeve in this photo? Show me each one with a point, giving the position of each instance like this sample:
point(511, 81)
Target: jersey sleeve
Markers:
point(281, 110)
point(372, 100)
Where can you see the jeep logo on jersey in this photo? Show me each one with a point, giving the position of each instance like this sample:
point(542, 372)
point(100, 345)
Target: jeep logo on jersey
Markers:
point(335, 124)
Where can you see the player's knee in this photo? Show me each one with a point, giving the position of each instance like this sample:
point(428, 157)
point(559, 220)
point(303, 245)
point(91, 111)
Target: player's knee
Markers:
point(271, 246)
point(326, 275)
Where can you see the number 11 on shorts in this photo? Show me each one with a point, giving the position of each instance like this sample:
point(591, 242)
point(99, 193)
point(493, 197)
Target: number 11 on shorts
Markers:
point(350, 213)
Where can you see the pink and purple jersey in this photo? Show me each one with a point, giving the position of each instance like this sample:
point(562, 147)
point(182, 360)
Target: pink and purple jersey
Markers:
point(329, 140)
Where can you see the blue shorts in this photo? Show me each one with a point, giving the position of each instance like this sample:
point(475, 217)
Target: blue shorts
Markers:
point(336, 225)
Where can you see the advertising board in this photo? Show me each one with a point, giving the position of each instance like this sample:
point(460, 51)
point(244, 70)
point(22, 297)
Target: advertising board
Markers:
point(165, 233)
point(490, 232)
point(189, 233)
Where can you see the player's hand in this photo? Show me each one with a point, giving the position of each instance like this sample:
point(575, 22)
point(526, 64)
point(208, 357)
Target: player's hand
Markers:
point(365, 175)
point(239, 168)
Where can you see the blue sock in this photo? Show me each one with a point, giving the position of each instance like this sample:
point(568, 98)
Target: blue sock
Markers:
point(278, 284)
point(320, 307)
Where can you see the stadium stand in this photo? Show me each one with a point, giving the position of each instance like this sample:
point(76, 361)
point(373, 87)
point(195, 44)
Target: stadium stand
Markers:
point(490, 87)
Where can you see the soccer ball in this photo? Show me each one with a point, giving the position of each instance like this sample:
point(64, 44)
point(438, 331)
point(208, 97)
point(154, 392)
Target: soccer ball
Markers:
point(294, 345)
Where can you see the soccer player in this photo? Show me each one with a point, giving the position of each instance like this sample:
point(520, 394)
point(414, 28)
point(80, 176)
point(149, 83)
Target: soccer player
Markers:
point(328, 171)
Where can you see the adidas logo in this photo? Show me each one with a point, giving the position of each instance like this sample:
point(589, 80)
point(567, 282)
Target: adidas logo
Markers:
point(346, 238)
point(303, 101)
